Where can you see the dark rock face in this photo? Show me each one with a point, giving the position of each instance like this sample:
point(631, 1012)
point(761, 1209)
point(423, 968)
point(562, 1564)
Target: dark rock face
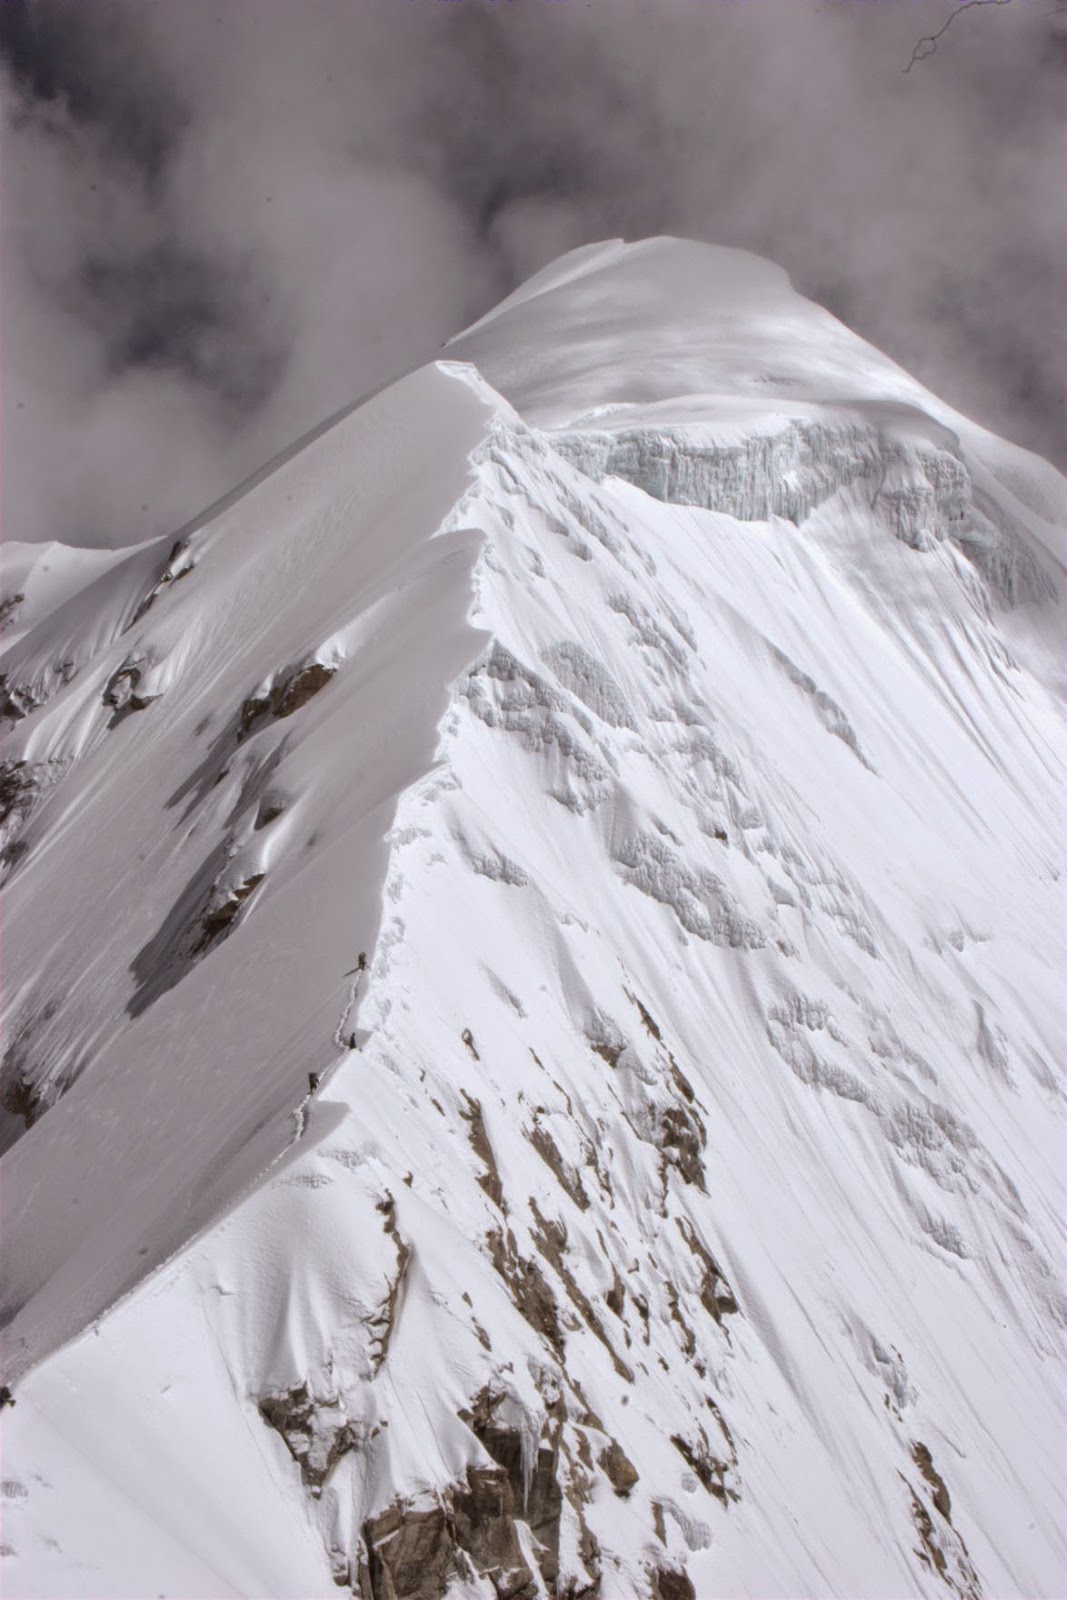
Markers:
point(23, 787)
point(316, 1434)
point(414, 1550)
point(713, 1472)
point(539, 1502)
point(18, 795)
point(529, 1289)
point(484, 1521)
point(285, 696)
point(210, 909)
point(682, 1138)
point(618, 1468)
point(39, 1064)
point(551, 1241)
point(20, 1098)
point(384, 1320)
point(18, 700)
point(920, 1454)
point(122, 694)
point(716, 1295)
point(941, 1547)
point(410, 1554)
point(479, 1141)
point(9, 609)
point(294, 692)
point(219, 919)
point(670, 1584)
point(569, 1180)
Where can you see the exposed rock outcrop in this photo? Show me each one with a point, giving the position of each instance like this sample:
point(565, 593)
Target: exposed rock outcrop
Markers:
point(284, 696)
point(316, 1431)
point(501, 1522)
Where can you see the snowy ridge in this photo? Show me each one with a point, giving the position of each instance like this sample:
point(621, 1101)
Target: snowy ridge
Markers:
point(676, 1206)
point(329, 561)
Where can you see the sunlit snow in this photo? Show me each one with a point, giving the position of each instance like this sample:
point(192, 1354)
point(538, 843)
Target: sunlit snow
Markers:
point(533, 971)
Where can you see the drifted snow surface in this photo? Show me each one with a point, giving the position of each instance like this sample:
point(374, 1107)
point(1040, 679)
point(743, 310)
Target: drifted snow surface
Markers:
point(622, 763)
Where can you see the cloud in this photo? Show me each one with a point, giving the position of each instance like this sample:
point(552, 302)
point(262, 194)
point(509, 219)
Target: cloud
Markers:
point(224, 220)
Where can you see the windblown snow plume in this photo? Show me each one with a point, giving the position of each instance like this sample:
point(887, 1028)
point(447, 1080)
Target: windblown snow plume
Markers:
point(533, 988)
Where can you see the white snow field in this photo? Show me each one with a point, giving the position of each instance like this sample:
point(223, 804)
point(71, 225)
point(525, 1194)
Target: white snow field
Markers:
point(533, 955)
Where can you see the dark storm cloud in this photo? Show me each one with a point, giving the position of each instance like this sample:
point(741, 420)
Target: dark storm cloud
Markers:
point(223, 220)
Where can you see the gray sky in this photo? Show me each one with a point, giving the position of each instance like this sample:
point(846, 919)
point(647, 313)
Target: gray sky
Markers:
point(222, 219)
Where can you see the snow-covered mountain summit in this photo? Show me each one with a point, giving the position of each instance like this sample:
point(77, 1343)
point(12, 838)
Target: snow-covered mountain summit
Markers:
point(532, 970)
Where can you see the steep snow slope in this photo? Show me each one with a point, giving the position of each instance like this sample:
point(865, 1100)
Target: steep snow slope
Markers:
point(622, 765)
